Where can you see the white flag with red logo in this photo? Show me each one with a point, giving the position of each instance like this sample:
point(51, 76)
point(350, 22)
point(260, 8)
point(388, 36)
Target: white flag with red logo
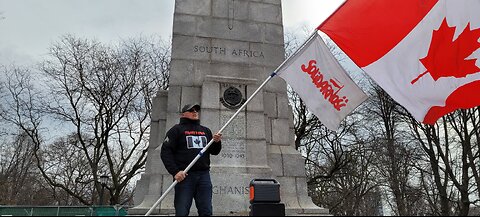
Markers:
point(423, 53)
point(317, 77)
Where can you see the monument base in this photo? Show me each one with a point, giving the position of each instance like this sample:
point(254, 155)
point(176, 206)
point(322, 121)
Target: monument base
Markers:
point(147, 203)
point(231, 195)
point(288, 212)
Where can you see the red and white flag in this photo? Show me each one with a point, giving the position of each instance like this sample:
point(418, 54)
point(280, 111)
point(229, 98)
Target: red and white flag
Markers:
point(423, 53)
point(317, 77)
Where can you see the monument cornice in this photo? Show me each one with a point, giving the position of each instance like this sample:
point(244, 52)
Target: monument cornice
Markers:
point(223, 18)
point(230, 80)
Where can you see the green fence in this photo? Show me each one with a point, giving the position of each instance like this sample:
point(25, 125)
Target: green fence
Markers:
point(62, 211)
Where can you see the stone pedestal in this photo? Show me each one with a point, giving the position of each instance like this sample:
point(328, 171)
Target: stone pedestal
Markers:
point(222, 51)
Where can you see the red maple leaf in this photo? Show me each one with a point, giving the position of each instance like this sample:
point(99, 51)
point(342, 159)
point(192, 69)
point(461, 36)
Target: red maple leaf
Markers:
point(447, 58)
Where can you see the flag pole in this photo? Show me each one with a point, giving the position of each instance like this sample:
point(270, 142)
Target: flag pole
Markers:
point(228, 123)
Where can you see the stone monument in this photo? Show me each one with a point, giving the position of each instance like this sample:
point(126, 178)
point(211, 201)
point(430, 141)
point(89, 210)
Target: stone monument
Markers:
point(222, 51)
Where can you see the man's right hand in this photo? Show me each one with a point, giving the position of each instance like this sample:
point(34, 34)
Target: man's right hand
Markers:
point(180, 176)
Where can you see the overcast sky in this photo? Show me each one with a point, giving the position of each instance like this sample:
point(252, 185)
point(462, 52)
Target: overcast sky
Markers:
point(29, 27)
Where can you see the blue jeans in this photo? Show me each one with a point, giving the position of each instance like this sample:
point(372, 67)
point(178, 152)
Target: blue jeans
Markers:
point(198, 186)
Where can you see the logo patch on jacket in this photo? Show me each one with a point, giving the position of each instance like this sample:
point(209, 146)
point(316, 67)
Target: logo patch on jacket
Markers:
point(196, 142)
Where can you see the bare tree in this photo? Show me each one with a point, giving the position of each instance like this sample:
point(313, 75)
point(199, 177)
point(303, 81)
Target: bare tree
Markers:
point(101, 98)
point(430, 139)
point(465, 124)
point(346, 189)
point(20, 181)
point(452, 151)
point(396, 154)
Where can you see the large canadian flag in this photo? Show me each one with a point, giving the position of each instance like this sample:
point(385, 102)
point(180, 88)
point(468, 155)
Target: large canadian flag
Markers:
point(423, 53)
point(324, 86)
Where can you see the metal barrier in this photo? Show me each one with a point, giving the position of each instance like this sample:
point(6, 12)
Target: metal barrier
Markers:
point(62, 211)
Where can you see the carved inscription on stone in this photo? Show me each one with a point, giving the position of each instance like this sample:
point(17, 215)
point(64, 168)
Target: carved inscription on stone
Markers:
point(233, 153)
point(224, 51)
point(238, 190)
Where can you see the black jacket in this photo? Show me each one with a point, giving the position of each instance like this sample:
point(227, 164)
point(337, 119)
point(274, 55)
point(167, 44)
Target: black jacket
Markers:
point(182, 144)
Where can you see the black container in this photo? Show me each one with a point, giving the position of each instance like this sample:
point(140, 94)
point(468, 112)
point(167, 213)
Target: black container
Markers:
point(267, 209)
point(264, 191)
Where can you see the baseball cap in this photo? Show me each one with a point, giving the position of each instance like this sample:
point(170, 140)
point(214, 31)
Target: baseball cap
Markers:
point(187, 107)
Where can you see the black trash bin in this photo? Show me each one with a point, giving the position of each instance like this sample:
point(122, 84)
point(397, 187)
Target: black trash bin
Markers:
point(265, 198)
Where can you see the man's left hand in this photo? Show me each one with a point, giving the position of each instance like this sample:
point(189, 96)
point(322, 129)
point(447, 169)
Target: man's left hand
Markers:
point(217, 137)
